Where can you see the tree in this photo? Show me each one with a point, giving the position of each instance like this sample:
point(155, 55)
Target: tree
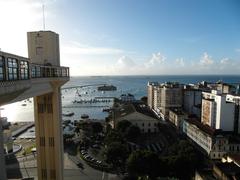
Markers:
point(97, 127)
point(116, 154)
point(144, 163)
point(113, 136)
point(144, 99)
point(132, 132)
point(182, 156)
point(123, 125)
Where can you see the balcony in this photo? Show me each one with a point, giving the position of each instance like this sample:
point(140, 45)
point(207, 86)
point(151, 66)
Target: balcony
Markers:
point(20, 79)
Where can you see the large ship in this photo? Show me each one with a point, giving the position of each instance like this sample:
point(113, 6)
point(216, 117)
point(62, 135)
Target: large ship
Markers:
point(107, 88)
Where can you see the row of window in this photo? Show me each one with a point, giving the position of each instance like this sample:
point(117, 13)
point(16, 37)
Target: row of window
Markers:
point(38, 72)
point(13, 69)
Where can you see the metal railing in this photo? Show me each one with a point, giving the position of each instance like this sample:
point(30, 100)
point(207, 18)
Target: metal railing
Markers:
point(45, 71)
point(23, 70)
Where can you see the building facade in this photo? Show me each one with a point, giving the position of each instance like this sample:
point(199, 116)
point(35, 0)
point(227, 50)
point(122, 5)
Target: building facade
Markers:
point(150, 93)
point(214, 143)
point(216, 112)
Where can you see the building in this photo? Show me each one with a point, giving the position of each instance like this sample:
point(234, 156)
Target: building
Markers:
point(226, 171)
point(170, 97)
point(192, 101)
point(139, 115)
point(216, 112)
point(214, 143)
point(39, 76)
point(176, 117)
point(127, 98)
point(150, 91)
point(235, 99)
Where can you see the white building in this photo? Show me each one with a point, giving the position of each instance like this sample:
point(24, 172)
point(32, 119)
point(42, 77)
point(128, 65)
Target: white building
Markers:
point(192, 100)
point(216, 112)
point(215, 143)
point(150, 92)
point(139, 115)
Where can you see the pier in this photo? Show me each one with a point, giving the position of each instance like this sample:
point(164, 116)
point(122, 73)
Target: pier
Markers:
point(21, 130)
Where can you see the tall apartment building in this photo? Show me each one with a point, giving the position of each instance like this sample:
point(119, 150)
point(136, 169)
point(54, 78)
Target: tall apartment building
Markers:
point(164, 96)
point(216, 112)
point(235, 99)
point(150, 93)
point(170, 97)
point(192, 101)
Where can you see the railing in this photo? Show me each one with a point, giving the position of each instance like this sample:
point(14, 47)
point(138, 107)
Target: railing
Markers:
point(41, 71)
point(18, 68)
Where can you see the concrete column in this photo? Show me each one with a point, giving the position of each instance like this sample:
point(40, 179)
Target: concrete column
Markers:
point(48, 122)
point(2, 156)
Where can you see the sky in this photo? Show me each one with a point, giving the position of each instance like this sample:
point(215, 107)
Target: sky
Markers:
point(131, 37)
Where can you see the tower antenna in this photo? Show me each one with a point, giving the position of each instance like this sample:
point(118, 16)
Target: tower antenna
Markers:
point(43, 16)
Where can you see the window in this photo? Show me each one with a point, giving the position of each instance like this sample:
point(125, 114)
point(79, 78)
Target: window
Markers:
point(39, 51)
point(12, 69)
point(2, 68)
point(24, 70)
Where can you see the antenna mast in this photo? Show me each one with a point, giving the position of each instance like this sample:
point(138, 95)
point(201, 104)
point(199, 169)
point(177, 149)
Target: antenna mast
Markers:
point(43, 17)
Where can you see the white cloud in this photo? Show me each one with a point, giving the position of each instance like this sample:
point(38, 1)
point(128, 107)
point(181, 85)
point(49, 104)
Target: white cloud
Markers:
point(206, 60)
point(180, 61)
point(157, 59)
point(125, 62)
point(225, 61)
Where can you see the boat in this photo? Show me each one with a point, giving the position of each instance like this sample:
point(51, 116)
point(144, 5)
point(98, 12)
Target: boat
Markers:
point(68, 114)
point(107, 88)
point(84, 116)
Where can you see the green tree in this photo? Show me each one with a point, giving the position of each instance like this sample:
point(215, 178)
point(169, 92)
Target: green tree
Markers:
point(97, 127)
point(113, 136)
point(132, 133)
point(123, 125)
point(182, 156)
point(144, 164)
point(116, 154)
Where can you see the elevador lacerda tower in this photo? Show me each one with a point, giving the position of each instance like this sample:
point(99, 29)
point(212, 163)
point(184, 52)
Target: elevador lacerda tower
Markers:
point(39, 76)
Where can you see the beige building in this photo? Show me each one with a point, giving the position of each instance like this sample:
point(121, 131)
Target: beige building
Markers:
point(40, 77)
point(176, 117)
point(43, 48)
point(150, 93)
point(139, 115)
point(161, 97)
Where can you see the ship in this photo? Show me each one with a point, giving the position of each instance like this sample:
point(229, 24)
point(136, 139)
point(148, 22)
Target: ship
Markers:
point(107, 88)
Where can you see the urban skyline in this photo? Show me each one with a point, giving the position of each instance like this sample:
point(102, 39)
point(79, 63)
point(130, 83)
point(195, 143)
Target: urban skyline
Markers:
point(131, 38)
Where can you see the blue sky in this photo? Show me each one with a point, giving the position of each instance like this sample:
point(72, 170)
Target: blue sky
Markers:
point(119, 37)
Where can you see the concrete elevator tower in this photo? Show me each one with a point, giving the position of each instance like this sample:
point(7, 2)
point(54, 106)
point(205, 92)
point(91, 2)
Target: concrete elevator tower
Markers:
point(43, 49)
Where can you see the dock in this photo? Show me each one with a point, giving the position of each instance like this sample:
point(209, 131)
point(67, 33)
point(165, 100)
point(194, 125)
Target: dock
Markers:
point(21, 130)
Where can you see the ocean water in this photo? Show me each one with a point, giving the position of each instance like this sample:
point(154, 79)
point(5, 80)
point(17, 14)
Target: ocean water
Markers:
point(136, 85)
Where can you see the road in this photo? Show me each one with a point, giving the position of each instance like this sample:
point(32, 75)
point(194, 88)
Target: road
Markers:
point(26, 167)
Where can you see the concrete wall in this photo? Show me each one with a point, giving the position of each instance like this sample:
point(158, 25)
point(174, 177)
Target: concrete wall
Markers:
point(43, 47)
